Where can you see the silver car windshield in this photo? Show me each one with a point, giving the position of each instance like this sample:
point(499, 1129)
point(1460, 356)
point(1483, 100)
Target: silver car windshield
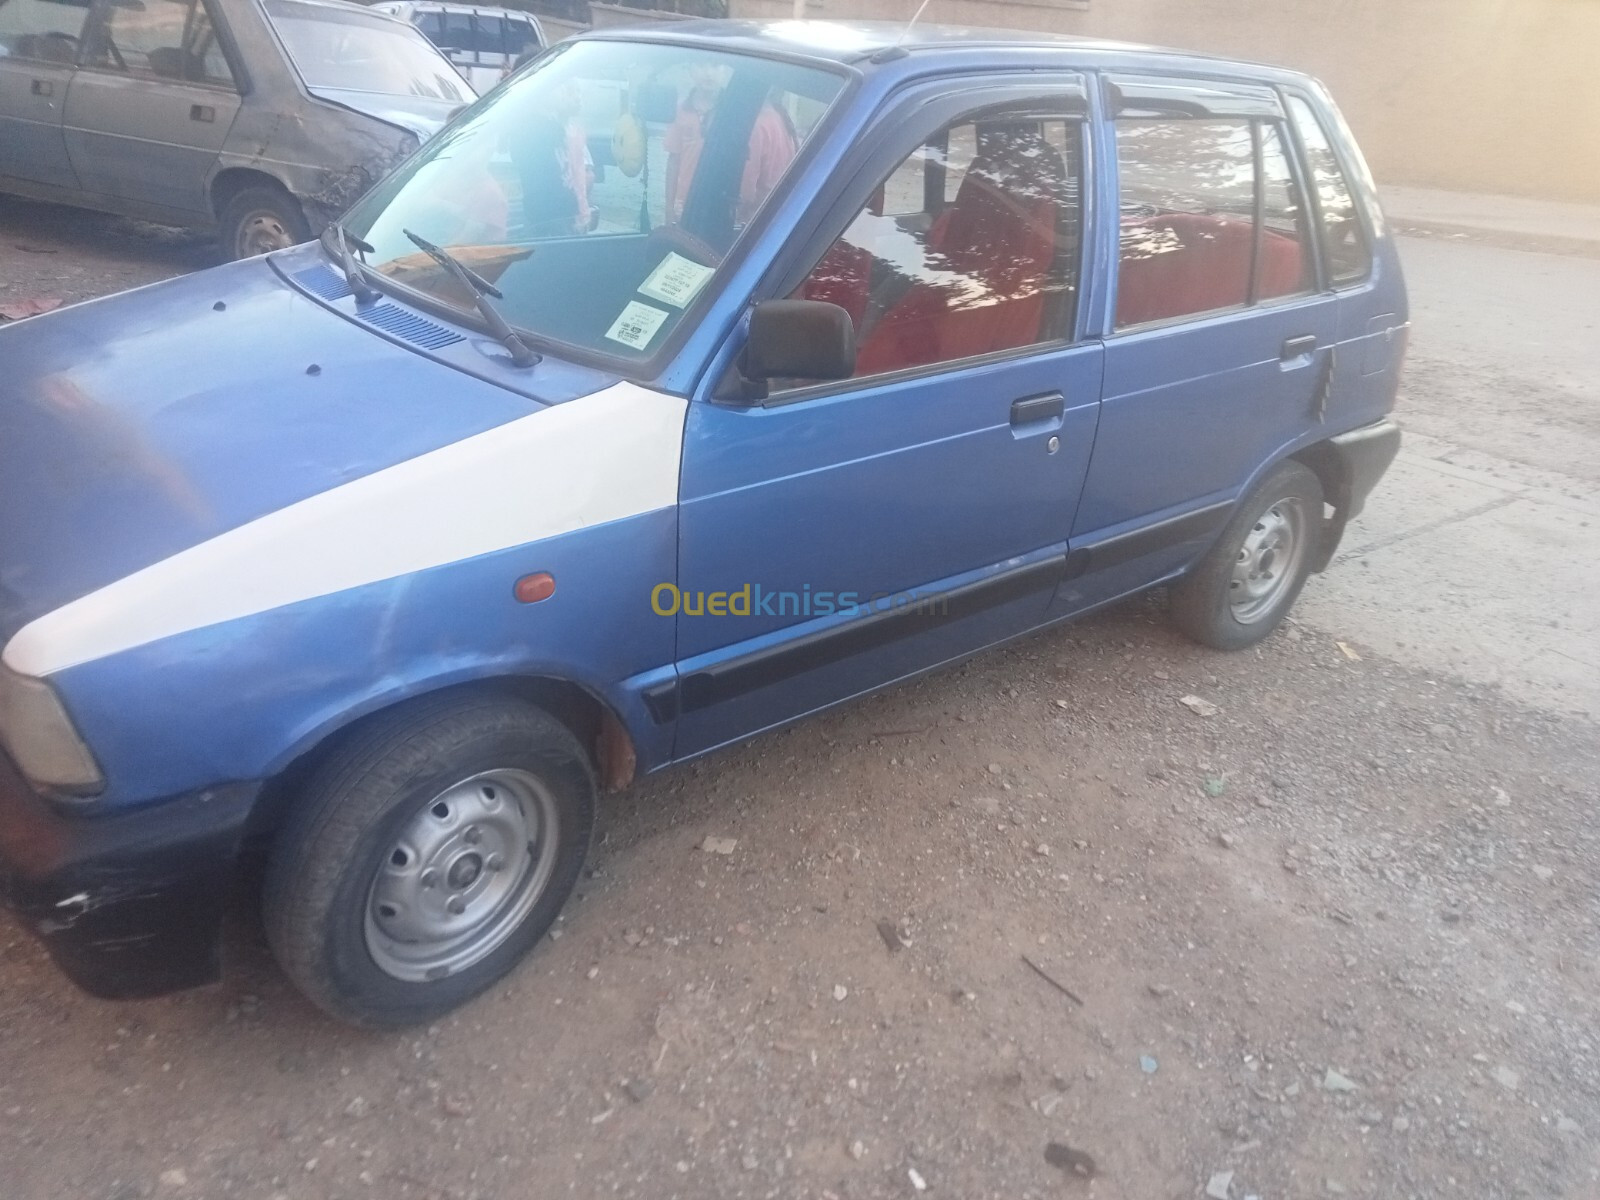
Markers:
point(601, 190)
point(361, 52)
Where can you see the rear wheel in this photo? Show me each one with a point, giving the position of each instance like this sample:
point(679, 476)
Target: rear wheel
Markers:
point(1245, 585)
point(428, 857)
point(259, 219)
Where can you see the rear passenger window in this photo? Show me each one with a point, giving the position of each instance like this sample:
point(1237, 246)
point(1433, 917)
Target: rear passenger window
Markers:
point(165, 39)
point(970, 247)
point(1344, 241)
point(1198, 234)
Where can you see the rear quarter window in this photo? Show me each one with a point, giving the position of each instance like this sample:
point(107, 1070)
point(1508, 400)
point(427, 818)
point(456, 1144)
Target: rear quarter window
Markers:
point(1344, 235)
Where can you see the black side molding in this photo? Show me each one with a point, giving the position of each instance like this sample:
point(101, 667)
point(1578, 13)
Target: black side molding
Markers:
point(738, 676)
point(1174, 531)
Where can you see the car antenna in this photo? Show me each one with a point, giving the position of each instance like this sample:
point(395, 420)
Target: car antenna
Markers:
point(898, 50)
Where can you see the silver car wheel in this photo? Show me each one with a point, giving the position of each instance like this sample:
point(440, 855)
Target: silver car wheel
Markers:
point(1268, 563)
point(465, 871)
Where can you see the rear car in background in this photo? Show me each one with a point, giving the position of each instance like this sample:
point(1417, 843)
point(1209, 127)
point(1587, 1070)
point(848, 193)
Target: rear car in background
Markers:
point(483, 43)
point(262, 119)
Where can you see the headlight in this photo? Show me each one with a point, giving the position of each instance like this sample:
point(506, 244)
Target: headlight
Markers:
point(40, 737)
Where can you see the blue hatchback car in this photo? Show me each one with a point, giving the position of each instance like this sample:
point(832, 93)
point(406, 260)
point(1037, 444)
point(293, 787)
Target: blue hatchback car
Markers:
point(690, 382)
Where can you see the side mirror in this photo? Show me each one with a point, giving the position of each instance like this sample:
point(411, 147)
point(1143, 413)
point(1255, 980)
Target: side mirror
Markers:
point(799, 339)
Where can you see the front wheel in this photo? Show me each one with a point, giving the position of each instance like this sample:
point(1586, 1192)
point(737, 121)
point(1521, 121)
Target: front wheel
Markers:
point(427, 857)
point(1241, 590)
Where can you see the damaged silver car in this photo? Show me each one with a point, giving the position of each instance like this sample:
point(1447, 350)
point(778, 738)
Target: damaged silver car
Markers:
point(261, 119)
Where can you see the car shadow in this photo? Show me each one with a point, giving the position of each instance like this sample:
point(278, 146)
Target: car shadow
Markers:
point(29, 227)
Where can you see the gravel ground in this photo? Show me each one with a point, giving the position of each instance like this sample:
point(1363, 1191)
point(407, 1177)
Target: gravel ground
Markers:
point(1026, 928)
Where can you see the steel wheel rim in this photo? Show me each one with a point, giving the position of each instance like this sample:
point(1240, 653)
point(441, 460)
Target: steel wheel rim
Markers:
point(262, 232)
point(1269, 561)
point(462, 875)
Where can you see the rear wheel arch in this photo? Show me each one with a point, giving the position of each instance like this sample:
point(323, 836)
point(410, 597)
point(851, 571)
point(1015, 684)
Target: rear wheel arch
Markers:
point(230, 181)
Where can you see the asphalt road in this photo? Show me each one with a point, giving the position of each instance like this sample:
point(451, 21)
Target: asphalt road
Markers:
point(1379, 860)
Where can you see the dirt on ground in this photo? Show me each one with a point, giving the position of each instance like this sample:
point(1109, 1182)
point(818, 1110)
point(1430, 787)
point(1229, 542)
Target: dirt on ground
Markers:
point(1031, 927)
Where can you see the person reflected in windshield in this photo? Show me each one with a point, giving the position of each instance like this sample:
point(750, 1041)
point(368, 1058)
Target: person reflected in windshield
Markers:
point(557, 172)
point(773, 146)
point(687, 136)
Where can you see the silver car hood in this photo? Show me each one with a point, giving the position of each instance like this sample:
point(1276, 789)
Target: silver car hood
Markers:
point(418, 114)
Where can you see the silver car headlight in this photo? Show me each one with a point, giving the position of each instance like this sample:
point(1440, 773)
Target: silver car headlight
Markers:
point(41, 739)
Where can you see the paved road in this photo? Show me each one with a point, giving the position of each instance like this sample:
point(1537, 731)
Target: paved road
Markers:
point(1383, 866)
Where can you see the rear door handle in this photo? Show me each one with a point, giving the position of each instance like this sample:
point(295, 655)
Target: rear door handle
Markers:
point(1038, 408)
point(1298, 347)
point(43, 87)
point(203, 113)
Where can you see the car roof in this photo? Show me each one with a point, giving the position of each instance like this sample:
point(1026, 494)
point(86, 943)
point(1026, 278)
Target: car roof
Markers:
point(447, 6)
point(856, 42)
point(337, 5)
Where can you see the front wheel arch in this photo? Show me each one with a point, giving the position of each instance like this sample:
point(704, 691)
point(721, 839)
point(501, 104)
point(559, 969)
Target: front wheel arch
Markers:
point(591, 720)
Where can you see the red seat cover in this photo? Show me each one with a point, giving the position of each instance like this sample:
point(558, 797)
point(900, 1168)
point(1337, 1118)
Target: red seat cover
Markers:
point(989, 257)
point(1174, 264)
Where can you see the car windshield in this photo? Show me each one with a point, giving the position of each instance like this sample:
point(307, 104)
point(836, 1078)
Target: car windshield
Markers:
point(600, 190)
point(362, 52)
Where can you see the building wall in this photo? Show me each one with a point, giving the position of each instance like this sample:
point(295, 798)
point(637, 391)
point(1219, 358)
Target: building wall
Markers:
point(1474, 95)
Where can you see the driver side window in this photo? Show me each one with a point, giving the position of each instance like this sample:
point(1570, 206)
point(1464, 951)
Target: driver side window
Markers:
point(969, 248)
point(43, 30)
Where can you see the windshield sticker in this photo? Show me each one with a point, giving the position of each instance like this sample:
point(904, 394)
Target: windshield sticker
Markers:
point(637, 325)
point(677, 281)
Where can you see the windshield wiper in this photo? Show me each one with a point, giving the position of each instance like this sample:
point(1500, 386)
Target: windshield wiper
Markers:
point(481, 289)
point(363, 291)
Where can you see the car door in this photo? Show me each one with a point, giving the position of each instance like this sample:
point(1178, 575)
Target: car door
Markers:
point(151, 105)
point(38, 52)
point(838, 536)
point(1220, 342)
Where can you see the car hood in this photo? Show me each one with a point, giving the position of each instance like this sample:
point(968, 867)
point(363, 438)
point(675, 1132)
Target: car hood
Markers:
point(420, 115)
point(135, 427)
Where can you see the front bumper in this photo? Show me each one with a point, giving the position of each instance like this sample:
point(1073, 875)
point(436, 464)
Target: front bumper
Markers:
point(128, 904)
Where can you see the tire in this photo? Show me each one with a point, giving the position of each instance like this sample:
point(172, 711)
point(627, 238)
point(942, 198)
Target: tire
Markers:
point(408, 818)
point(258, 219)
point(1244, 586)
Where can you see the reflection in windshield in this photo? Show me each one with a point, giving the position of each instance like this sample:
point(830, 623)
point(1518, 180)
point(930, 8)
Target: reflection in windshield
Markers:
point(336, 48)
point(600, 190)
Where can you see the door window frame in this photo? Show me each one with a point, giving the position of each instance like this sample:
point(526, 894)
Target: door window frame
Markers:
point(98, 17)
point(1160, 98)
point(902, 127)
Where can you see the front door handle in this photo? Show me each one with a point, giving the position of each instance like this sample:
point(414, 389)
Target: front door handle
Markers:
point(1038, 408)
point(1298, 347)
point(43, 87)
